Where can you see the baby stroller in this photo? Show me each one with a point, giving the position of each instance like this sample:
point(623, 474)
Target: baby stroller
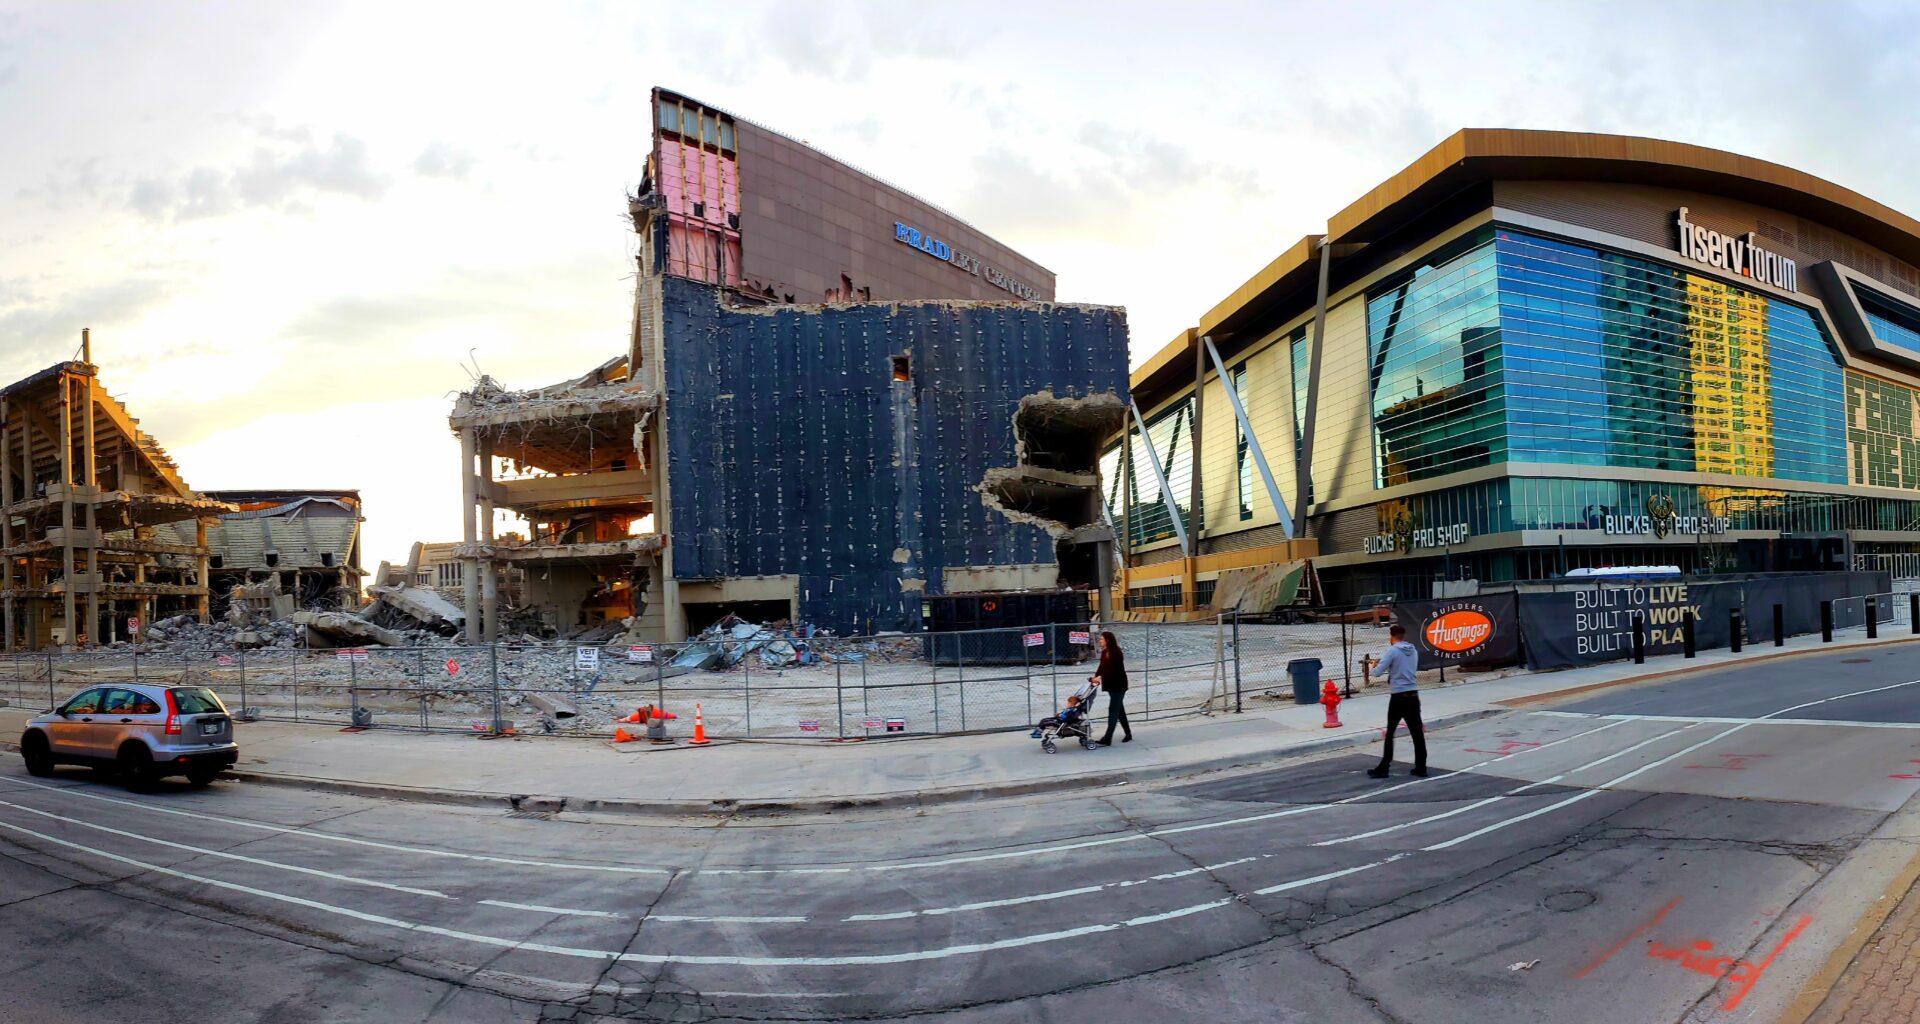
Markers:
point(1075, 720)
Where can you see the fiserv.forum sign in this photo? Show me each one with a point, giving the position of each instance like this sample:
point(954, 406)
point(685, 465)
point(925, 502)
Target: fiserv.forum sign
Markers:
point(940, 250)
point(1737, 253)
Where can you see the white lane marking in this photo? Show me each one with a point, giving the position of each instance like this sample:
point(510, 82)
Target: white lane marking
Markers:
point(1629, 776)
point(1042, 897)
point(536, 908)
point(724, 919)
point(1129, 837)
point(1517, 790)
point(276, 865)
point(888, 958)
point(291, 830)
point(909, 956)
point(1329, 876)
point(1765, 721)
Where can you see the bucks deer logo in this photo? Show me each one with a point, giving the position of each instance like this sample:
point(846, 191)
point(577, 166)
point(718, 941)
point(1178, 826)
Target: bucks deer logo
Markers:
point(1402, 532)
point(1660, 513)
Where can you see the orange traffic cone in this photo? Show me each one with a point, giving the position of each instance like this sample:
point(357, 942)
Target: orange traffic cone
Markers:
point(634, 718)
point(699, 729)
point(623, 736)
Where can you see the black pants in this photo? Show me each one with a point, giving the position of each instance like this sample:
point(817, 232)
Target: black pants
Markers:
point(1405, 706)
point(1117, 715)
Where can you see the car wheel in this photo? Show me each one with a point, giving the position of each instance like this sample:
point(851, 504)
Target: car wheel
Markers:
point(201, 778)
point(136, 767)
point(33, 750)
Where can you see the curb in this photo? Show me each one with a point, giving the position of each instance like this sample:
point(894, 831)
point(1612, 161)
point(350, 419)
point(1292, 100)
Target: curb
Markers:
point(1814, 992)
point(916, 798)
point(1653, 677)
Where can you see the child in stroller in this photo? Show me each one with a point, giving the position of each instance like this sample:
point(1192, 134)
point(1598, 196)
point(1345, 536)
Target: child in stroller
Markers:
point(1071, 721)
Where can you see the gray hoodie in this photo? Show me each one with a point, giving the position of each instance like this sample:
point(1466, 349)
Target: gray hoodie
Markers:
point(1398, 665)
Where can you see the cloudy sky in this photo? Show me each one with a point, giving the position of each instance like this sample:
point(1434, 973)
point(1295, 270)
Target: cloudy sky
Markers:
point(296, 228)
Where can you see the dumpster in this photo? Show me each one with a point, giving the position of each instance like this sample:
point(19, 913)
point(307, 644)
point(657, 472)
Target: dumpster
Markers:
point(1305, 673)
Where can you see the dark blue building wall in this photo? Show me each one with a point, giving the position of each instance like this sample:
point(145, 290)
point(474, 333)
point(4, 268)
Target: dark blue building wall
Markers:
point(792, 449)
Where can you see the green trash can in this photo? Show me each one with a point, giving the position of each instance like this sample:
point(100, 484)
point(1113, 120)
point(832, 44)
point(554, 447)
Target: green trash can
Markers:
point(1306, 680)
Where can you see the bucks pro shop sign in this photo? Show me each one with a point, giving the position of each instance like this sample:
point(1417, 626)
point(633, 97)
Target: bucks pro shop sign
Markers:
point(1482, 630)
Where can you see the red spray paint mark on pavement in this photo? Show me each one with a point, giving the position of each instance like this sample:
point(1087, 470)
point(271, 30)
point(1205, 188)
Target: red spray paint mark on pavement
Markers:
point(1743, 974)
point(1632, 935)
point(1506, 747)
point(1906, 776)
point(1732, 762)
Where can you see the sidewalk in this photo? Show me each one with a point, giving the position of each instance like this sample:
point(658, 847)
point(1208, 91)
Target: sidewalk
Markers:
point(816, 775)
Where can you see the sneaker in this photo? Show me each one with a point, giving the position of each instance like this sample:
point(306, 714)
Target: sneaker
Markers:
point(1420, 772)
point(1035, 734)
point(1377, 773)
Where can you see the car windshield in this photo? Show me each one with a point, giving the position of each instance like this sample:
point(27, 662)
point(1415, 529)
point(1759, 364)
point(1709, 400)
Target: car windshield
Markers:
point(196, 700)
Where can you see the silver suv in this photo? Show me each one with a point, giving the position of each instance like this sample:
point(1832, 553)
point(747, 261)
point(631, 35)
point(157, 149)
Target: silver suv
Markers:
point(143, 732)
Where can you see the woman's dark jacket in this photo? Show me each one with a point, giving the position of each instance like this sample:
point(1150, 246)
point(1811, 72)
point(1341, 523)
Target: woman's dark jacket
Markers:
point(1112, 671)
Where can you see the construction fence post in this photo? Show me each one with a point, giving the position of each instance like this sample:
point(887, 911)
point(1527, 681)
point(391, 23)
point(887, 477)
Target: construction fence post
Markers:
point(746, 686)
point(241, 656)
point(839, 700)
point(1237, 707)
point(52, 702)
point(961, 675)
point(660, 676)
point(493, 673)
point(1146, 676)
point(420, 683)
point(353, 691)
point(298, 655)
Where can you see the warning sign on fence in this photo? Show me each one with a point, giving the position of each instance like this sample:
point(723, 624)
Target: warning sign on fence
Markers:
point(453, 667)
point(809, 725)
point(872, 722)
point(1080, 637)
point(896, 725)
point(586, 659)
point(640, 653)
point(360, 654)
point(224, 660)
point(1034, 639)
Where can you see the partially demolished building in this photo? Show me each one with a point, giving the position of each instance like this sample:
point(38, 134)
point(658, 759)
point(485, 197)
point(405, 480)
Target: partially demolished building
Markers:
point(96, 525)
point(286, 550)
point(837, 399)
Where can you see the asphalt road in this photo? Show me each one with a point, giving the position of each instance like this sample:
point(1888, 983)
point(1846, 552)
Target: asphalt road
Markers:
point(1678, 851)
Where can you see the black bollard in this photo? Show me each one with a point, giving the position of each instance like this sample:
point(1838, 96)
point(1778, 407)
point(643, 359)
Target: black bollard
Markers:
point(1639, 640)
point(1913, 610)
point(1873, 618)
point(1779, 625)
point(1687, 645)
point(1734, 630)
point(1826, 622)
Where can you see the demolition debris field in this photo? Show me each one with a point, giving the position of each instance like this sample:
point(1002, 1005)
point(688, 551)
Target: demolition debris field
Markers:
point(852, 687)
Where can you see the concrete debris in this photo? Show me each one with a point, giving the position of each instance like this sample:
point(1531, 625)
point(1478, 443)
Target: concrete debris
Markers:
point(341, 629)
point(404, 607)
point(556, 708)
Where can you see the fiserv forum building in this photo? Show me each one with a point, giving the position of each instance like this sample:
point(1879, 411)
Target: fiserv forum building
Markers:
point(1535, 351)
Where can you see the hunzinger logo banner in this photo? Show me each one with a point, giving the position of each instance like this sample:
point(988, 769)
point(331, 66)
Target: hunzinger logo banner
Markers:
point(1483, 630)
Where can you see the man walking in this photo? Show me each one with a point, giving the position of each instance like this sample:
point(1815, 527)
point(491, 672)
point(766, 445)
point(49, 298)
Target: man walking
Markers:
point(1403, 700)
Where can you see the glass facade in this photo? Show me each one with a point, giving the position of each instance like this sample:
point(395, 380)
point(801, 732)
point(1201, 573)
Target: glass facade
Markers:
point(1529, 503)
point(1514, 348)
point(1891, 321)
point(1171, 434)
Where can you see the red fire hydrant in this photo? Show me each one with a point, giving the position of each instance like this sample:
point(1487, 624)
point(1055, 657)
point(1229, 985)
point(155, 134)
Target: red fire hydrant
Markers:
point(1330, 696)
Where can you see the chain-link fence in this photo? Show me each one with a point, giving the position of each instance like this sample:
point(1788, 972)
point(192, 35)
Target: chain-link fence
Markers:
point(755, 682)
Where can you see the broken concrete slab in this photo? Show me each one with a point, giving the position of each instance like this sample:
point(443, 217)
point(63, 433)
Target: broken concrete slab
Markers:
point(415, 607)
point(558, 708)
point(341, 629)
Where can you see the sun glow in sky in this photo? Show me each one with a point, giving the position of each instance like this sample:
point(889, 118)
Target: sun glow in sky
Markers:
point(296, 228)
